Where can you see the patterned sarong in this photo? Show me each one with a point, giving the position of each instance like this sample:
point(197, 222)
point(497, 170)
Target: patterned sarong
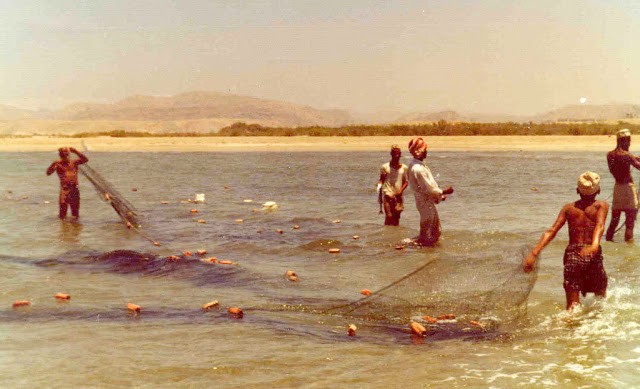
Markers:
point(583, 274)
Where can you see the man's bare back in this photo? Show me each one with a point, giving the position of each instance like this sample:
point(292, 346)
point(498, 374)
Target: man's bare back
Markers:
point(583, 218)
point(620, 162)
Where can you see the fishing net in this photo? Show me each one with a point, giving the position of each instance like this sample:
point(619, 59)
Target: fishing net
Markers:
point(108, 193)
point(464, 285)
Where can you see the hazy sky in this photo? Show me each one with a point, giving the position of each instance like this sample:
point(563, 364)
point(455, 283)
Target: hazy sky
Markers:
point(520, 57)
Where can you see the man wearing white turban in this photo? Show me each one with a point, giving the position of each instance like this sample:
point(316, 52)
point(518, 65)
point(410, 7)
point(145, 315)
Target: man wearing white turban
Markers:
point(426, 192)
point(583, 269)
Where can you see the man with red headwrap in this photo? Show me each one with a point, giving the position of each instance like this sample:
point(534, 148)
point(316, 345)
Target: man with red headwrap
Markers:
point(427, 193)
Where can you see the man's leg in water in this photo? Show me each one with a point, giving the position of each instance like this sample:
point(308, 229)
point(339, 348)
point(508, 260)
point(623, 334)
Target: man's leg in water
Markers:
point(63, 210)
point(74, 202)
point(615, 219)
point(629, 222)
point(573, 298)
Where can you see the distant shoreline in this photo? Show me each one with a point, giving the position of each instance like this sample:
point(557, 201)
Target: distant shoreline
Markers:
point(569, 143)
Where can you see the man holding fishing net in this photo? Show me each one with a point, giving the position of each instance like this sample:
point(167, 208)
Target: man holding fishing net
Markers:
point(583, 269)
point(391, 185)
point(625, 195)
point(67, 170)
point(426, 192)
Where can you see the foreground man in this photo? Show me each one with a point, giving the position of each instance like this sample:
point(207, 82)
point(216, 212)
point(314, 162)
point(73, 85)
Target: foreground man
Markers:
point(67, 170)
point(426, 192)
point(625, 196)
point(583, 269)
point(393, 181)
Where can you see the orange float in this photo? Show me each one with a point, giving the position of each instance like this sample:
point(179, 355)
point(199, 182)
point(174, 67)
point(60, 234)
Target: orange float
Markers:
point(210, 260)
point(351, 330)
point(356, 237)
point(209, 305)
point(225, 262)
point(235, 311)
point(430, 319)
point(296, 227)
point(133, 308)
point(334, 251)
point(291, 275)
point(194, 211)
point(21, 303)
point(173, 258)
point(187, 253)
point(164, 202)
point(337, 221)
point(201, 221)
point(201, 252)
point(239, 220)
point(365, 292)
point(62, 296)
point(448, 316)
point(418, 328)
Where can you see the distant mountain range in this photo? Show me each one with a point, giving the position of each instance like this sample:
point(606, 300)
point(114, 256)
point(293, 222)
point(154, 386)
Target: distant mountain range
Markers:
point(569, 113)
point(210, 111)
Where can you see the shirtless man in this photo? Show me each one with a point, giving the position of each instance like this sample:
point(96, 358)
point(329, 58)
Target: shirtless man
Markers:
point(393, 181)
point(67, 170)
point(625, 195)
point(583, 269)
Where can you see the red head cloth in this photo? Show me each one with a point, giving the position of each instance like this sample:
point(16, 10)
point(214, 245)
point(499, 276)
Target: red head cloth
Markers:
point(417, 145)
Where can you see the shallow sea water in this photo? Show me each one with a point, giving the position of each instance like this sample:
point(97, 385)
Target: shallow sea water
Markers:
point(91, 341)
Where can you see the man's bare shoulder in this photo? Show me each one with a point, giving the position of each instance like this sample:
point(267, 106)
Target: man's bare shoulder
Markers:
point(600, 204)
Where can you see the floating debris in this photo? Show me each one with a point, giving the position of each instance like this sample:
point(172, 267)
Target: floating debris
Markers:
point(209, 305)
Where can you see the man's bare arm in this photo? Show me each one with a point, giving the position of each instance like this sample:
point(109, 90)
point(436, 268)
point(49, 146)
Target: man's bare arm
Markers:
point(82, 158)
point(635, 161)
point(52, 168)
point(546, 238)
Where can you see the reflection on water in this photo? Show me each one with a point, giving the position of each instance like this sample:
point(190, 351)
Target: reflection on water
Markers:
point(70, 231)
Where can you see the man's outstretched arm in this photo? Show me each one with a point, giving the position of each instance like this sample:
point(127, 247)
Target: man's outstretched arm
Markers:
point(82, 158)
point(52, 168)
point(546, 238)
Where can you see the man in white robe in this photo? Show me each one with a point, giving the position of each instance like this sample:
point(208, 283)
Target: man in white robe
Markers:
point(427, 193)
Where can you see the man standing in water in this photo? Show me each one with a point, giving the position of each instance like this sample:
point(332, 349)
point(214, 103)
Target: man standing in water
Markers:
point(583, 269)
point(625, 196)
point(426, 192)
point(67, 170)
point(392, 183)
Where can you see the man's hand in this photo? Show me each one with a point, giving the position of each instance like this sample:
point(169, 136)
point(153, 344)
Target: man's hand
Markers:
point(448, 190)
point(73, 150)
point(588, 251)
point(529, 262)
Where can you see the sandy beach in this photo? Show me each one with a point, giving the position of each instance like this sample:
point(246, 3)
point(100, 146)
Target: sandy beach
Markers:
point(307, 143)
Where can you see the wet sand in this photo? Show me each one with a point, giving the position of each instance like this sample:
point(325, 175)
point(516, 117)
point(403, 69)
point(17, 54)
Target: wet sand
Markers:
point(307, 143)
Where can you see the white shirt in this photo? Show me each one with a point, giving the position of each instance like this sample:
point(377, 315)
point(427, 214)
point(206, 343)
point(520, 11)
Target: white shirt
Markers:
point(422, 182)
point(394, 178)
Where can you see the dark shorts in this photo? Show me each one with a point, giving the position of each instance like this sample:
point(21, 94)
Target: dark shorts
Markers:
point(69, 195)
point(393, 206)
point(583, 274)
